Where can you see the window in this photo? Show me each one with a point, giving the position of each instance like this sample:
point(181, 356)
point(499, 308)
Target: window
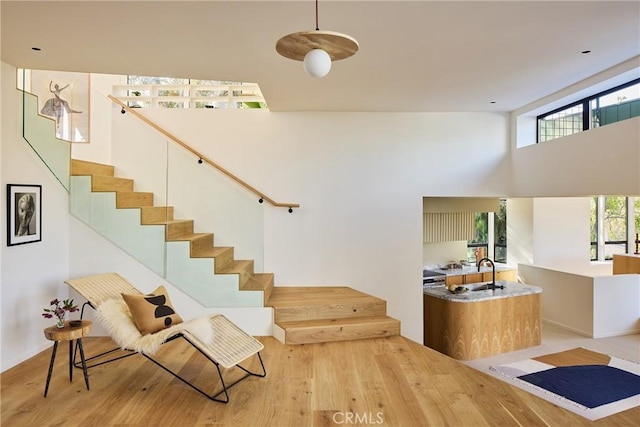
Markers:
point(636, 213)
point(491, 232)
point(594, 228)
point(500, 233)
point(613, 105)
point(615, 226)
point(481, 239)
point(168, 92)
point(614, 222)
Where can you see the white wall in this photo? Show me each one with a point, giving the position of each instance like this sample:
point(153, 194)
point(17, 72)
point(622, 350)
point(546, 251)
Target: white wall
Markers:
point(593, 306)
point(617, 307)
point(561, 231)
point(519, 231)
point(360, 179)
point(601, 161)
point(32, 274)
point(99, 147)
point(443, 252)
point(567, 299)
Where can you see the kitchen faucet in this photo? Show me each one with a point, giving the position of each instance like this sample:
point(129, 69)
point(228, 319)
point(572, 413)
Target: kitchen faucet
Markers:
point(492, 286)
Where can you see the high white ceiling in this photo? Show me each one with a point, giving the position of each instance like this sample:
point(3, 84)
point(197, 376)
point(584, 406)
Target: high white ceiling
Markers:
point(414, 55)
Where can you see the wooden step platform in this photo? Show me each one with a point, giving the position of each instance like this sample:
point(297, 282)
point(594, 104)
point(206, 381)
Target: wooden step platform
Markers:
point(304, 315)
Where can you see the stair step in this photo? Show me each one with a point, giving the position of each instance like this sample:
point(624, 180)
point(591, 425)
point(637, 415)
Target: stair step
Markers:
point(83, 167)
point(133, 199)
point(222, 255)
point(178, 227)
point(243, 268)
point(155, 214)
point(330, 302)
point(260, 282)
point(101, 183)
point(327, 330)
point(197, 241)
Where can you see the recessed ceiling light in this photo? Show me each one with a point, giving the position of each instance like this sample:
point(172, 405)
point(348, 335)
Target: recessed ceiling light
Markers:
point(37, 49)
point(586, 51)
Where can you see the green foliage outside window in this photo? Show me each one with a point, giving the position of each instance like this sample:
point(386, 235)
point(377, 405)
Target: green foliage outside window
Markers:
point(500, 232)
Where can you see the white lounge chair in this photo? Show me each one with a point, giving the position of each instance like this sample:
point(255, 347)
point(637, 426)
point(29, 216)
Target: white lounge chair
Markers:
point(215, 336)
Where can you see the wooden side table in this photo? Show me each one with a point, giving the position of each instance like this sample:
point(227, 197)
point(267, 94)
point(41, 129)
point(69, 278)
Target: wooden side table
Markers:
point(68, 333)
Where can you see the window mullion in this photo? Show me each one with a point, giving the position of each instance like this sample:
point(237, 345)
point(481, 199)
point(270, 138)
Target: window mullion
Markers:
point(600, 222)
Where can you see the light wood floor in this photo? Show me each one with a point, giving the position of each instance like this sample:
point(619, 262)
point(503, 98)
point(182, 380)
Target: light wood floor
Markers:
point(386, 381)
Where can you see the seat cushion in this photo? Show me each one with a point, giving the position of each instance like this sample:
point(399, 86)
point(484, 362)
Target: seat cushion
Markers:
point(153, 312)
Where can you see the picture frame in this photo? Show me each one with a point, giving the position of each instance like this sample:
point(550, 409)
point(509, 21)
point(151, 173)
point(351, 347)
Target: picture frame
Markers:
point(24, 214)
point(65, 98)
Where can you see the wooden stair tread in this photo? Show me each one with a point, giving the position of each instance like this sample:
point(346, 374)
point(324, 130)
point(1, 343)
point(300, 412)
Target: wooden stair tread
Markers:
point(190, 237)
point(331, 330)
point(168, 221)
point(236, 266)
point(212, 252)
point(297, 324)
point(150, 214)
point(294, 296)
point(259, 281)
point(133, 199)
point(84, 168)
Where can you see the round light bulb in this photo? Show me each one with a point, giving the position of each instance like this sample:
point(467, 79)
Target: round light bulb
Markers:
point(317, 63)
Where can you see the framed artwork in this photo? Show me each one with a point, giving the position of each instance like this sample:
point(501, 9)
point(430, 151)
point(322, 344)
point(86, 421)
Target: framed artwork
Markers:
point(64, 97)
point(24, 214)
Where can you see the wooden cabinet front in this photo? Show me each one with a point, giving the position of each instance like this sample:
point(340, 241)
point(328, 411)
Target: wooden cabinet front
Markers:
point(474, 330)
point(508, 275)
point(466, 279)
point(626, 264)
point(454, 280)
point(474, 278)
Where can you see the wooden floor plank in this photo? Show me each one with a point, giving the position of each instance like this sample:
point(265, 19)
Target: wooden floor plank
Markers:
point(394, 378)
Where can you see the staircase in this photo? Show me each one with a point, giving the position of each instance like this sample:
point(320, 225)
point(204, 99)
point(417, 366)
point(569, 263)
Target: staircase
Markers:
point(302, 314)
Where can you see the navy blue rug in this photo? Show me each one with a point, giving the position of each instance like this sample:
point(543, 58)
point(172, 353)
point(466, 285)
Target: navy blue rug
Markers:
point(588, 385)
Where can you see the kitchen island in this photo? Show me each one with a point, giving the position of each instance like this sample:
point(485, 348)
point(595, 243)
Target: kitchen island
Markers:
point(474, 324)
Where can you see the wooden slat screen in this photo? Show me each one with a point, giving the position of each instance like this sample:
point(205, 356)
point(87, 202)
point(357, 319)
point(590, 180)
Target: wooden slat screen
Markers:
point(448, 226)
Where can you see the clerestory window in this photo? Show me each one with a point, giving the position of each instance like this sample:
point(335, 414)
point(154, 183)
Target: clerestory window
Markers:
point(611, 106)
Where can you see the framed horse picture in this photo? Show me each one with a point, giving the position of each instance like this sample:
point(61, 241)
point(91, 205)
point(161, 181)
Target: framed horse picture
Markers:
point(24, 214)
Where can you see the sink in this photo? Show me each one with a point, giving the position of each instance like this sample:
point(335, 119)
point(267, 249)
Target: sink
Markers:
point(500, 284)
point(483, 287)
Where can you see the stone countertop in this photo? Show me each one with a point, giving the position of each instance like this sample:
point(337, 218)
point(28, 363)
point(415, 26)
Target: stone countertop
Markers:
point(470, 269)
point(511, 289)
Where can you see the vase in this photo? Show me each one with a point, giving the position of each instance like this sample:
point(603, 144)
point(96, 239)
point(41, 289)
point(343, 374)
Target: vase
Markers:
point(60, 322)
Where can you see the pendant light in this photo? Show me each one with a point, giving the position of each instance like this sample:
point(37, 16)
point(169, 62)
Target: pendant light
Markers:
point(317, 48)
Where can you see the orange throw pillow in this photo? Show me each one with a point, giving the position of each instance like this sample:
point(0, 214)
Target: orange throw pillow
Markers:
point(152, 313)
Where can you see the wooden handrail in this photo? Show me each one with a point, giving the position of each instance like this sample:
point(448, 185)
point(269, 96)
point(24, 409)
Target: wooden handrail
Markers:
point(260, 194)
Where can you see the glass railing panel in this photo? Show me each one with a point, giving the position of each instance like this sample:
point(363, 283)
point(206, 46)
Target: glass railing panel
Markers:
point(196, 192)
point(217, 205)
point(121, 226)
point(40, 134)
